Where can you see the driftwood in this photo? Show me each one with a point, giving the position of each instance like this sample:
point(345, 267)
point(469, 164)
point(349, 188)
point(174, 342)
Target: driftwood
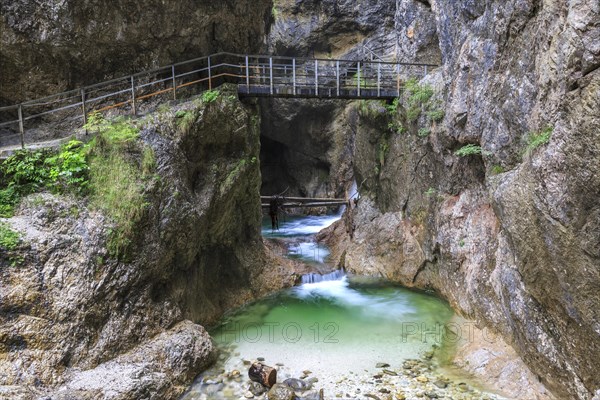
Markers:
point(263, 374)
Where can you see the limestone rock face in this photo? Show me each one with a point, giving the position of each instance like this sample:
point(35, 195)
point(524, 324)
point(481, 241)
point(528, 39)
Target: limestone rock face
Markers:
point(48, 46)
point(75, 319)
point(509, 237)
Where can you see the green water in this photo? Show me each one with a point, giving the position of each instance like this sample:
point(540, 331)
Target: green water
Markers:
point(333, 326)
point(352, 325)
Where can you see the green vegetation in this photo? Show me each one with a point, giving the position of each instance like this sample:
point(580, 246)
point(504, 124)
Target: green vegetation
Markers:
point(470, 150)
point(461, 243)
point(435, 115)
point(185, 120)
point(28, 172)
point(423, 132)
point(9, 239)
point(497, 169)
point(111, 170)
point(418, 97)
point(210, 95)
point(116, 180)
point(369, 108)
point(537, 139)
point(430, 192)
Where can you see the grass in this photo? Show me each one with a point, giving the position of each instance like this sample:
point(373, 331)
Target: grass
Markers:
point(185, 120)
point(537, 139)
point(471, 150)
point(116, 181)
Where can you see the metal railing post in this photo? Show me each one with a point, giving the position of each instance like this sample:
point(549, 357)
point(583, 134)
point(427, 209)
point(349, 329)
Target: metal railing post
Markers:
point(247, 76)
point(294, 74)
point(133, 108)
point(83, 110)
point(271, 74)
point(337, 76)
point(378, 80)
point(174, 83)
point(209, 75)
point(21, 128)
point(316, 78)
point(358, 66)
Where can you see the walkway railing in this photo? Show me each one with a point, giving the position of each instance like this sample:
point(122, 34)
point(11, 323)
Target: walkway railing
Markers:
point(255, 75)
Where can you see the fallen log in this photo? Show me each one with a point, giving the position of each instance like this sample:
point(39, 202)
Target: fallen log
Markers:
point(263, 374)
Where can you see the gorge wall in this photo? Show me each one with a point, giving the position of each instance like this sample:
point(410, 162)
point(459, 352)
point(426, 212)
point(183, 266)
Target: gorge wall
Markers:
point(77, 322)
point(49, 47)
point(509, 236)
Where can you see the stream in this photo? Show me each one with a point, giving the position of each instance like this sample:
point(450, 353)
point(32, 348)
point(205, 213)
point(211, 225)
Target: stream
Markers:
point(353, 337)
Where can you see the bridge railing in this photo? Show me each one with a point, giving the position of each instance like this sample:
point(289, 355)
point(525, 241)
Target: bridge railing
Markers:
point(256, 75)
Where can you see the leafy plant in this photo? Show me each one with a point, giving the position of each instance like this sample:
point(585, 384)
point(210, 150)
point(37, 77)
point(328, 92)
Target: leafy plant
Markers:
point(392, 109)
point(423, 132)
point(210, 95)
point(9, 239)
point(470, 150)
point(537, 139)
point(68, 169)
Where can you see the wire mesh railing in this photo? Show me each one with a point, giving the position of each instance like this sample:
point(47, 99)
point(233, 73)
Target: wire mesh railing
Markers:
point(255, 75)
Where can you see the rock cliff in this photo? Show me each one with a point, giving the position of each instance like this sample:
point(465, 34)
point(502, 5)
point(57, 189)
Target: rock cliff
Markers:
point(509, 234)
point(49, 47)
point(77, 319)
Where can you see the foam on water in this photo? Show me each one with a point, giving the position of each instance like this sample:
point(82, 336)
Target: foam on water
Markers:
point(296, 226)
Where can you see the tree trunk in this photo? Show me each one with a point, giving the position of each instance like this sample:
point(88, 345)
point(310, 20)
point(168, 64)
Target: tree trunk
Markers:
point(263, 374)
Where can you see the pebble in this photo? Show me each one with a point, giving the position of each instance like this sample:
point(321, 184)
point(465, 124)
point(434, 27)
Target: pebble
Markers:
point(441, 384)
point(248, 395)
point(422, 379)
point(260, 358)
point(382, 365)
point(390, 372)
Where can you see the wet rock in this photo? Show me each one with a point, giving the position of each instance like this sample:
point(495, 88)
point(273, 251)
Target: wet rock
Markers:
point(280, 391)
point(441, 384)
point(382, 365)
point(256, 388)
point(297, 384)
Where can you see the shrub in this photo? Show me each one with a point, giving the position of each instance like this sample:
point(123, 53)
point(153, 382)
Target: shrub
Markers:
point(9, 239)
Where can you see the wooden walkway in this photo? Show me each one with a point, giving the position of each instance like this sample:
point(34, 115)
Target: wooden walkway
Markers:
point(254, 75)
point(301, 202)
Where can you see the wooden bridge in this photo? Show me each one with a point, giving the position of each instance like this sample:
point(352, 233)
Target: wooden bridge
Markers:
point(301, 202)
point(254, 75)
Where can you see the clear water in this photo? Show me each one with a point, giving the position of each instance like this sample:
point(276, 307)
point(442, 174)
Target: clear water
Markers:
point(332, 325)
point(335, 326)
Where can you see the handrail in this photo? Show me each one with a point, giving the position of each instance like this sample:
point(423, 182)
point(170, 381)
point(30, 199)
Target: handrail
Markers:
point(286, 77)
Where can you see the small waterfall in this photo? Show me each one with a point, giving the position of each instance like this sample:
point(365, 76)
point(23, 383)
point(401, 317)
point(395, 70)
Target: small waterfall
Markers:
point(332, 276)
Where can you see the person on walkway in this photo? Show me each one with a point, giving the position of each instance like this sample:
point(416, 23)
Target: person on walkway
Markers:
point(273, 212)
